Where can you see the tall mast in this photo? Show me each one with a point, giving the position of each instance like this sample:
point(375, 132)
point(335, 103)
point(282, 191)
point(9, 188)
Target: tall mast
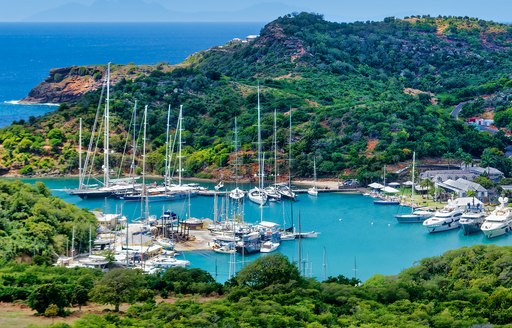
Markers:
point(145, 194)
point(134, 137)
point(236, 154)
point(259, 142)
point(106, 167)
point(180, 118)
point(275, 147)
point(290, 154)
point(80, 178)
point(166, 174)
point(412, 190)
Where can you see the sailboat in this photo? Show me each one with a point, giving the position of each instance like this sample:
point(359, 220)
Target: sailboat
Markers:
point(110, 186)
point(272, 192)
point(257, 194)
point(286, 189)
point(416, 216)
point(237, 193)
point(313, 191)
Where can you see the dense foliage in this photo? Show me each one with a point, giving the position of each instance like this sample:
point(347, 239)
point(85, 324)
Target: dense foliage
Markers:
point(362, 95)
point(35, 226)
point(462, 288)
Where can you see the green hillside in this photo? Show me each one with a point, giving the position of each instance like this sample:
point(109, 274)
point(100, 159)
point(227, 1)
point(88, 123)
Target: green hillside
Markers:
point(362, 95)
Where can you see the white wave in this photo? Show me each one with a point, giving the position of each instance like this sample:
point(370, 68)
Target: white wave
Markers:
point(18, 102)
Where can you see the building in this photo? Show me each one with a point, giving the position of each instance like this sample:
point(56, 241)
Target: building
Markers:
point(437, 176)
point(494, 175)
point(462, 186)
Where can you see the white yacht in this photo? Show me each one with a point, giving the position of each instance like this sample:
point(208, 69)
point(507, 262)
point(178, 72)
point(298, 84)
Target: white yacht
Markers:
point(448, 217)
point(499, 222)
point(236, 194)
point(473, 217)
point(268, 247)
point(258, 196)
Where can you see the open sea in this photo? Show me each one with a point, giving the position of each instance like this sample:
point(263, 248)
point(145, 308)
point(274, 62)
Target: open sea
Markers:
point(357, 238)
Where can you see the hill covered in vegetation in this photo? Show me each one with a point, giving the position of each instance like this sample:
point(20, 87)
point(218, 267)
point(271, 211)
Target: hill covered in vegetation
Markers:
point(469, 287)
point(361, 95)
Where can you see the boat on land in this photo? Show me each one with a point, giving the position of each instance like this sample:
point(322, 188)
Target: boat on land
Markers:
point(447, 218)
point(499, 222)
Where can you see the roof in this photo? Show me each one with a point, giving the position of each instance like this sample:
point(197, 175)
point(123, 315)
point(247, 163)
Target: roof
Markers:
point(482, 170)
point(463, 185)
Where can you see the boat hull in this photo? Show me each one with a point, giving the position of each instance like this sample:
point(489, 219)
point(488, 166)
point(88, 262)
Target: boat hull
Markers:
point(92, 194)
point(492, 232)
point(444, 226)
point(409, 218)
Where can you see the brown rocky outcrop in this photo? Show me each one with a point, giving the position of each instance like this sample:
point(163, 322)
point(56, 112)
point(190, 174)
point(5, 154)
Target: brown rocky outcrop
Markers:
point(70, 83)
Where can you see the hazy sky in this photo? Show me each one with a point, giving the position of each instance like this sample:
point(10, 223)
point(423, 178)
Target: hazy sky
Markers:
point(243, 10)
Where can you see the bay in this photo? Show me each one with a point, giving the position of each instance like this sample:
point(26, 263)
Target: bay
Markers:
point(357, 238)
point(30, 50)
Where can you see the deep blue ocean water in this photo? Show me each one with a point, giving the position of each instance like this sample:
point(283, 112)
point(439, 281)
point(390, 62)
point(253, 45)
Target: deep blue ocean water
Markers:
point(30, 50)
point(356, 237)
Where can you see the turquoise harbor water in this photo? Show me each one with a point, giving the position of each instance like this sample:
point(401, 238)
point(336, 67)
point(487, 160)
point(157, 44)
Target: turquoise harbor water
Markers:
point(354, 233)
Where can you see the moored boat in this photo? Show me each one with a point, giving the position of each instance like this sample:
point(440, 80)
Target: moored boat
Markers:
point(448, 217)
point(417, 216)
point(499, 222)
point(473, 217)
point(269, 246)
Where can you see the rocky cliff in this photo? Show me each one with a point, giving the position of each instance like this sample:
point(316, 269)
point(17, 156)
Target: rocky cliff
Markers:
point(69, 83)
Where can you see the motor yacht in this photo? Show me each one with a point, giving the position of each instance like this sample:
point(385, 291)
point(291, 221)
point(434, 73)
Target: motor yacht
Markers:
point(446, 218)
point(473, 217)
point(499, 222)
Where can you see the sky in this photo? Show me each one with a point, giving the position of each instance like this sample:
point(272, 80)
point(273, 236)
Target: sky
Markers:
point(242, 11)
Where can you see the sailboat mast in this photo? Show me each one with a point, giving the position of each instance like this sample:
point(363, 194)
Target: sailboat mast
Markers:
point(236, 154)
point(314, 170)
point(145, 194)
point(259, 142)
point(412, 190)
point(290, 154)
point(275, 147)
point(80, 178)
point(106, 167)
point(179, 143)
point(134, 137)
point(166, 174)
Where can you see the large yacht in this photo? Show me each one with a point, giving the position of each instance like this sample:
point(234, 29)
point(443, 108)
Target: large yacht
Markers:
point(499, 222)
point(448, 217)
point(473, 217)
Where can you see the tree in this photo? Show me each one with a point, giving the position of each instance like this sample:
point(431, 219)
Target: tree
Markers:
point(79, 296)
point(118, 286)
point(48, 294)
point(52, 311)
point(268, 270)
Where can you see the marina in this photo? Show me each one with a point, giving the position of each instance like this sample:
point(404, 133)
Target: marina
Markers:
point(350, 227)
